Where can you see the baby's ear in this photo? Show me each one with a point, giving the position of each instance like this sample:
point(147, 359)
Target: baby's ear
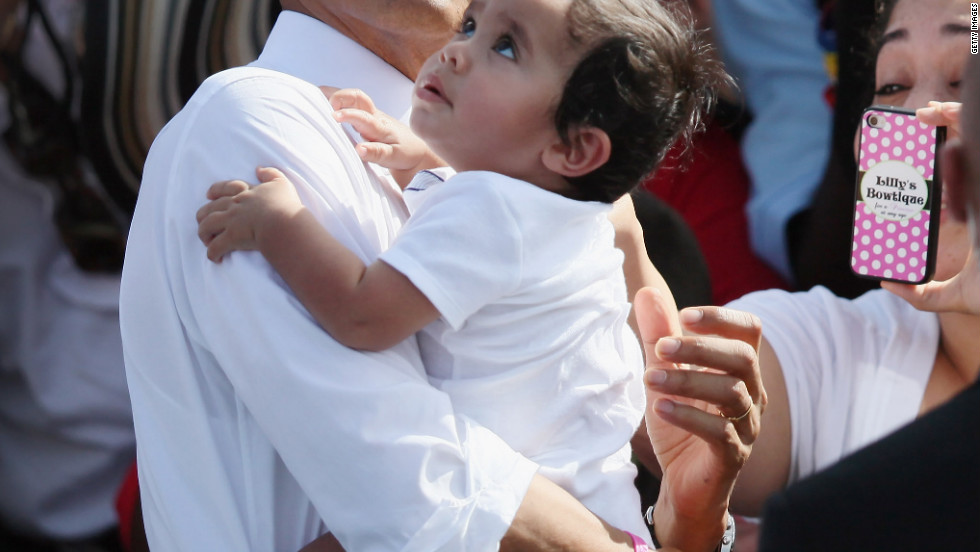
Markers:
point(588, 148)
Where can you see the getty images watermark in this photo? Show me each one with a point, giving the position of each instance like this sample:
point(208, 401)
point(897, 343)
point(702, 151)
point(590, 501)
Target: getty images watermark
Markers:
point(973, 28)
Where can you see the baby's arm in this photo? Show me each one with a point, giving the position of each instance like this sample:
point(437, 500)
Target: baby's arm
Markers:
point(637, 267)
point(639, 273)
point(389, 143)
point(363, 307)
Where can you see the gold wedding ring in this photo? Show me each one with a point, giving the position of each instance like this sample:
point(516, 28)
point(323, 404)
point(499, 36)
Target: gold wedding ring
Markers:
point(737, 418)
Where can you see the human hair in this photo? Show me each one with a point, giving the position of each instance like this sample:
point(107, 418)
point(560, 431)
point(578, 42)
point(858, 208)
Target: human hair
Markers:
point(647, 80)
point(883, 15)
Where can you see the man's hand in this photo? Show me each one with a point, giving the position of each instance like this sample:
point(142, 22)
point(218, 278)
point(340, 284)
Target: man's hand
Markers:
point(389, 142)
point(702, 421)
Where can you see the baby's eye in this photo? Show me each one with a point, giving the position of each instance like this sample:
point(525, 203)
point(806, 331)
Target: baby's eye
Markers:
point(468, 27)
point(505, 47)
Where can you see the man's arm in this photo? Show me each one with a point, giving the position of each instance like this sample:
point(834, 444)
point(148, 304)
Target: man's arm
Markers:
point(549, 519)
point(701, 451)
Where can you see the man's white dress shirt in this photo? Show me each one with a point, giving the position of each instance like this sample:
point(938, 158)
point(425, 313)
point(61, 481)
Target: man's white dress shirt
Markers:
point(254, 427)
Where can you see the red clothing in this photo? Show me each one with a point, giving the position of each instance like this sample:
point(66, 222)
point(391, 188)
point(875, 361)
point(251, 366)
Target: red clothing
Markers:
point(127, 501)
point(709, 188)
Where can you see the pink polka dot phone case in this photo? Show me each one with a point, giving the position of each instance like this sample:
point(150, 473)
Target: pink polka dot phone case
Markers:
point(897, 197)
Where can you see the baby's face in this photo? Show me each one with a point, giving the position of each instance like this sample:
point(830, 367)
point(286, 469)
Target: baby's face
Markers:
point(486, 100)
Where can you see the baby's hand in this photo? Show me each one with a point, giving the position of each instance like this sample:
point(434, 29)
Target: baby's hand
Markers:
point(238, 213)
point(389, 142)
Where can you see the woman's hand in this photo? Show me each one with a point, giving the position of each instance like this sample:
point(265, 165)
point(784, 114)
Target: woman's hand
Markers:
point(701, 421)
point(238, 213)
point(945, 114)
point(961, 293)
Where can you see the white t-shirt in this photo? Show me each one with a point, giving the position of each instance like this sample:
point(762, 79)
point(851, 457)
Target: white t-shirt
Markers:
point(255, 428)
point(533, 341)
point(855, 370)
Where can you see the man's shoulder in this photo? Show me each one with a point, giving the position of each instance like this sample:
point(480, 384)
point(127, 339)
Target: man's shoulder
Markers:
point(240, 99)
point(252, 83)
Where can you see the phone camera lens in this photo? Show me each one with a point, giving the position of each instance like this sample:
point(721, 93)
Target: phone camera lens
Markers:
point(873, 121)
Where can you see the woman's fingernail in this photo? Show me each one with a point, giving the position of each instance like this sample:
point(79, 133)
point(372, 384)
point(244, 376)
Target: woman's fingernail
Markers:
point(691, 316)
point(668, 345)
point(656, 377)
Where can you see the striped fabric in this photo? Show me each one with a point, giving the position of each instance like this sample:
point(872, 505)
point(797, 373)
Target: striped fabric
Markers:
point(142, 60)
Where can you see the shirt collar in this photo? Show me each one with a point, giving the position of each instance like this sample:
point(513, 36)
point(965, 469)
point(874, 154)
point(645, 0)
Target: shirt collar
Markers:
point(307, 48)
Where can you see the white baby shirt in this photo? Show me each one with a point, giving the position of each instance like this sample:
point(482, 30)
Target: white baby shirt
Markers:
point(533, 341)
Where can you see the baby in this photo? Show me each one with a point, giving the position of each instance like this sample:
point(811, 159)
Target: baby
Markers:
point(548, 111)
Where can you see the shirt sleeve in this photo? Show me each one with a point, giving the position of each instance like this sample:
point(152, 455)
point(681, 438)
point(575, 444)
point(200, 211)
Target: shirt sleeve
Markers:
point(462, 248)
point(378, 451)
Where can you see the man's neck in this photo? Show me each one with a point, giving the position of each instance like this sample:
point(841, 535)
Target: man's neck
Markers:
point(403, 33)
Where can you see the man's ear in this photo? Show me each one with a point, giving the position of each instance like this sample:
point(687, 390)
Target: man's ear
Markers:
point(952, 164)
point(588, 148)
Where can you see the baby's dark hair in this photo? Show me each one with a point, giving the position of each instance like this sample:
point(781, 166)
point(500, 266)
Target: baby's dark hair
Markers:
point(647, 80)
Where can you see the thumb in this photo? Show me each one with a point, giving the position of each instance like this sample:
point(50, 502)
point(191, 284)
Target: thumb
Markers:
point(935, 296)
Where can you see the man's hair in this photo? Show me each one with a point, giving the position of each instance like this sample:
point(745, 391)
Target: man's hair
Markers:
point(647, 80)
